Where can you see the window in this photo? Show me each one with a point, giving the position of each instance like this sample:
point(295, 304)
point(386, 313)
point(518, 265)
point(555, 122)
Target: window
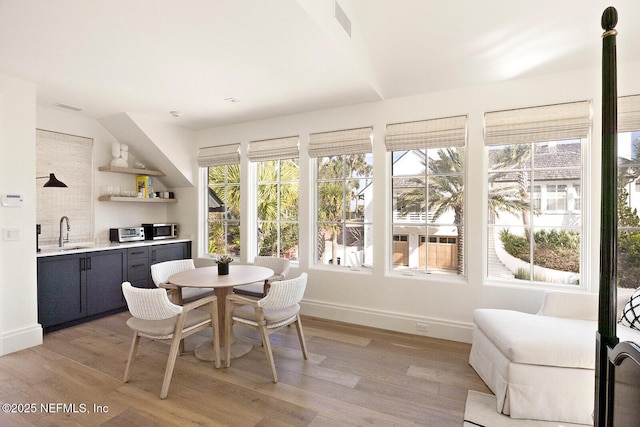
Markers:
point(277, 196)
point(556, 197)
point(344, 194)
point(223, 196)
point(628, 272)
point(534, 181)
point(428, 194)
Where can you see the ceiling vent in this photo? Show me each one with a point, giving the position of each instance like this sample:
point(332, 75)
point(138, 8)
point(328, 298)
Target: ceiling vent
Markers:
point(68, 107)
point(342, 19)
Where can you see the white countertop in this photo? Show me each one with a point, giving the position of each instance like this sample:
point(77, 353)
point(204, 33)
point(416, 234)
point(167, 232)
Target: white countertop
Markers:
point(78, 247)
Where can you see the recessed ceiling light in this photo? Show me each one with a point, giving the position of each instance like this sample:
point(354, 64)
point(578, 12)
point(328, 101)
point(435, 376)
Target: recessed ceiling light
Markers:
point(232, 99)
point(175, 113)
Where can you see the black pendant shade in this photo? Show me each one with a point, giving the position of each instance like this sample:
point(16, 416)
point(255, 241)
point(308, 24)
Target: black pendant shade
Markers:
point(53, 181)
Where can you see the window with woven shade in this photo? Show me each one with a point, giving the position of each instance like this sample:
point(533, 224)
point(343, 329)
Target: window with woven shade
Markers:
point(427, 184)
point(536, 193)
point(223, 198)
point(277, 195)
point(628, 149)
point(343, 197)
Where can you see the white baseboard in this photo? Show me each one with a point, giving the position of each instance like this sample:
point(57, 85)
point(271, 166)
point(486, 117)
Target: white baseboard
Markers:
point(416, 325)
point(19, 339)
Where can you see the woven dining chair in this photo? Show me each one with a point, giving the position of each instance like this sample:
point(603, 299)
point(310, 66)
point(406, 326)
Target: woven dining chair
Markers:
point(155, 317)
point(280, 267)
point(161, 272)
point(279, 308)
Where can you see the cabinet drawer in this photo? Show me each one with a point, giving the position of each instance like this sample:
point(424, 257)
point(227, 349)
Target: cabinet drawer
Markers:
point(137, 269)
point(135, 253)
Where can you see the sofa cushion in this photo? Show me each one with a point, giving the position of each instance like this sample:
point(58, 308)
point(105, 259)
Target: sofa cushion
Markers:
point(631, 311)
point(539, 340)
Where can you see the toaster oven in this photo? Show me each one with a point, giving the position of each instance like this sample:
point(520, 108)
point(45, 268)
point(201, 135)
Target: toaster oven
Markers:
point(126, 234)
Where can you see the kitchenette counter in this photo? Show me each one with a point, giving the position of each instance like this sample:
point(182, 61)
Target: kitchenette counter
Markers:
point(81, 247)
point(84, 282)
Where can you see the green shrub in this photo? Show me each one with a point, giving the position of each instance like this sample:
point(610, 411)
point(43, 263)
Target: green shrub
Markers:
point(628, 271)
point(557, 250)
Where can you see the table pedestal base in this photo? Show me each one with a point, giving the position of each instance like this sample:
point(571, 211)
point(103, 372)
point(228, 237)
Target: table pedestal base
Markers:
point(205, 351)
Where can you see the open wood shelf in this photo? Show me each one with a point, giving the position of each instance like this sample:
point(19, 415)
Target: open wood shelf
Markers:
point(132, 171)
point(135, 199)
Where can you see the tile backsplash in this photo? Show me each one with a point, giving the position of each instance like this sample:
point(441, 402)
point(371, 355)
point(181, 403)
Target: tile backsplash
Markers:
point(70, 158)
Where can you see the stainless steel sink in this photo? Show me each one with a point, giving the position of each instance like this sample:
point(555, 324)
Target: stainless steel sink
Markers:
point(70, 247)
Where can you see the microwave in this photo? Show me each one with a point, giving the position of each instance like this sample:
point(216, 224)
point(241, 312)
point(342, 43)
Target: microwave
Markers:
point(126, 234)
point(160, 231)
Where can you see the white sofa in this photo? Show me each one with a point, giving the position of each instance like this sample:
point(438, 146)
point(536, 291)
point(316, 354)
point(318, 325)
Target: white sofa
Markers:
point(541, 366)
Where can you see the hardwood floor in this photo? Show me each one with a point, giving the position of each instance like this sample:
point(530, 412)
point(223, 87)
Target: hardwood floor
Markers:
point(354, 376)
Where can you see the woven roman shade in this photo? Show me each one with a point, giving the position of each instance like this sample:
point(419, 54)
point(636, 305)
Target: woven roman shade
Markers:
point(435, 133)
point(274, 149)
point(538, 124)
point(352, 141)
point(219, 155)
point(629, 113)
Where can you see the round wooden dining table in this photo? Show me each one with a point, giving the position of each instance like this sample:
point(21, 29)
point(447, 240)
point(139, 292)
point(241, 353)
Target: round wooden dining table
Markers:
point(207, 277)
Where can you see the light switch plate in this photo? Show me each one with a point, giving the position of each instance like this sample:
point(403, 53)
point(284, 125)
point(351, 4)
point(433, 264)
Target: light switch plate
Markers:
point(10, 234)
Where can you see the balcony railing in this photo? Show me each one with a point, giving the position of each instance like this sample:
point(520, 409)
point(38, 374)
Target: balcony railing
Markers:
point(412, 217)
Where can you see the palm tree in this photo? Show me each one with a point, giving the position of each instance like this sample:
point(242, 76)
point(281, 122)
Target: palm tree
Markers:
point(445, 192)
point(225, 182)
point(516, 157)
point(335, 194)
point(278, 201)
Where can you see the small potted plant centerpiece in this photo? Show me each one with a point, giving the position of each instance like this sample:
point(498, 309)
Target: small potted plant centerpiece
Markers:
point(223, 262)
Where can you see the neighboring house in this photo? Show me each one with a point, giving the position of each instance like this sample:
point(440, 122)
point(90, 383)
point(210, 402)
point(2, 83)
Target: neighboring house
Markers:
point(557, 191)
point(628, 155)
point(418, 240)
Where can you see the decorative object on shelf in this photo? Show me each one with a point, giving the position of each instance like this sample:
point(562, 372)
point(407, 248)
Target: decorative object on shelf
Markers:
point(223, 262)
point(53, 181)
point(133, 171)
point(144, 187)
point(120, 153)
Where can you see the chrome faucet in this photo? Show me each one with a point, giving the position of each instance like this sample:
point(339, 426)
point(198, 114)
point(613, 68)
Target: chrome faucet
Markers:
point(61, 240)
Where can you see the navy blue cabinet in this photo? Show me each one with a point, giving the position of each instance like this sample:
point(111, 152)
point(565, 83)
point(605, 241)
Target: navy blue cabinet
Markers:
point(170, 251)
point(138, 271)
point(105, 274)
point(74, 288)
point(62, 289)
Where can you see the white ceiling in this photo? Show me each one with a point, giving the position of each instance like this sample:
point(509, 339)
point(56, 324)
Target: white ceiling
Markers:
point(288, 56)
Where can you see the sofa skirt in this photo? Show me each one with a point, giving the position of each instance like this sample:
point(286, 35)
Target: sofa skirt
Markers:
point(537, 392)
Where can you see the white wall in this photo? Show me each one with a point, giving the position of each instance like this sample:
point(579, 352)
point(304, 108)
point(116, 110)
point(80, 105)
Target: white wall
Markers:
point(106, 214)
point(389, 300)
point(19, 326)
point(19, 118)
point(380, 299)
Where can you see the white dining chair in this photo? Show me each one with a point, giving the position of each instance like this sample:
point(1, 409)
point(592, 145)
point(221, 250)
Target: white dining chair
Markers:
point(155, 317)
point(279, 308)
point(161, 272)
point(280, 267)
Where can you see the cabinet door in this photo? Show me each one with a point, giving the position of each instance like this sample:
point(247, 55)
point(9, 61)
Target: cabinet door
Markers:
point(170, 251)
point(105, 274)
point(138, 272)
point(61, 289)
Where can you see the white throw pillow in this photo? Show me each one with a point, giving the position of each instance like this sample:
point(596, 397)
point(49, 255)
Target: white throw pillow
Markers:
point(631, 312)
